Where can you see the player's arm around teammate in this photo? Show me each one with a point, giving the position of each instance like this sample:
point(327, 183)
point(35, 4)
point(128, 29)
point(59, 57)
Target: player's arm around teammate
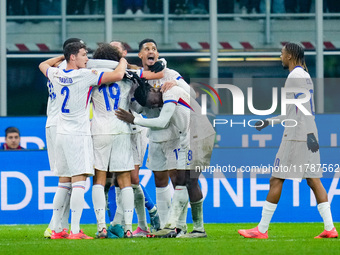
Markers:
point(73, 140)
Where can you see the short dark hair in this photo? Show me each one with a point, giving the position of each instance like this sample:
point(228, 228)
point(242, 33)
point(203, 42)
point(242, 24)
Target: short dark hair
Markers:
point(147, 40)
point(106, 51)
point(72, 40)
point(73, 48)
point(123, 44)
point(12, 130)
point(141, 93)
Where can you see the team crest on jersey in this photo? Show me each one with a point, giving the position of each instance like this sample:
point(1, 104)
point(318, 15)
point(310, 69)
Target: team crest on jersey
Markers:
point(95, 72)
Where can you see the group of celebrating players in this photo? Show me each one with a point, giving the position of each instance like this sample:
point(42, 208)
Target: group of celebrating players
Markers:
point(179, 138)
point(113, 141)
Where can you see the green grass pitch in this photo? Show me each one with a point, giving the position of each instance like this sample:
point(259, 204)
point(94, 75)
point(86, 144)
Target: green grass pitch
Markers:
point(284, 238)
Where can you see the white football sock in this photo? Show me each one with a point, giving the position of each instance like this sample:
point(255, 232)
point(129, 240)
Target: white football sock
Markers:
point(140, 206)
point(77, 205)
point(325, 212)
point(267, 214)
point(153, 209)
point(163, 201)
point(66, 212)
point(119, 215)
point(179, 201)
point(58, 205)
point(182, 220)
point(197, 215)
point(99, 203)
point(127, 204)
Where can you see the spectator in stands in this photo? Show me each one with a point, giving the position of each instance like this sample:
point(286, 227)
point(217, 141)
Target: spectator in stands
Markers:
point(201, 6)
point(277, 6)
point(155, 6)
point(178, 7)
point(30, 7)
point(78, 7)
point(72, 7)
point(250, 6)
point(302, 6)
point(14, 7)
point(12, 139)
point(22, 7)
point(225, 6)
point(130, 6)
point(333, 5)
point(49, 7)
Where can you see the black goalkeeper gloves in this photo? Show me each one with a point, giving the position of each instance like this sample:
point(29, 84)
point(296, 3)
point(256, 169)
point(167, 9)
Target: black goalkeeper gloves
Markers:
point(158, 66)
point(261, 124)
point(312, 143)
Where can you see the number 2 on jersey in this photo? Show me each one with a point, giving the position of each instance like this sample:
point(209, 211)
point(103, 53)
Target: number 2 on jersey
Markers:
point(113, 96)
point(67, 94)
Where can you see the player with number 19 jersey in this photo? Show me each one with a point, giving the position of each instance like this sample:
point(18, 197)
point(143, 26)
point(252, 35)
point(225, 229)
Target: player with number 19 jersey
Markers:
point(106, 100)
point(111, 136)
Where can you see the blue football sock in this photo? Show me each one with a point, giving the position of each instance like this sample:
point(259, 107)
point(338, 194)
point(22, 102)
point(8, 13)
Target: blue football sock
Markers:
point(149, 204)
point(111, 202)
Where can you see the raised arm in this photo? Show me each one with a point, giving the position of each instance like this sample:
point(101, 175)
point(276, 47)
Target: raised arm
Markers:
point(115, 75)
point(160, 122)
point(152, 76)
point(101, 63)
point(49, 63)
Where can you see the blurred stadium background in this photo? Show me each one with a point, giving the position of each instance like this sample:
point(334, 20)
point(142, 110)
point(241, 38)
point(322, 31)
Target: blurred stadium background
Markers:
point(199, 39)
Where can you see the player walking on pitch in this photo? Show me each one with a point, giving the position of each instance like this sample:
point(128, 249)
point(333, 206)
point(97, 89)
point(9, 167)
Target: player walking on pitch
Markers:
point(299, 147)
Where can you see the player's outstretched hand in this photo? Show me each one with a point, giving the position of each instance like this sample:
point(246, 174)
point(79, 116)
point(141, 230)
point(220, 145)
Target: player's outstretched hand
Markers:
point(158, 66)
point(261, 124)
point(125, 115)
point(168, 85)
point(131, 75)
point(312, 143)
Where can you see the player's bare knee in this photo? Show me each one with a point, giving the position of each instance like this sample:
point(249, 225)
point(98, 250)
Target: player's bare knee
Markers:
point(181, 178)
point(275, 182)
point(123, 179)
point(99, 178)
point(161, 179)
point(135, 175)
point(191, 183)
point(313, 182)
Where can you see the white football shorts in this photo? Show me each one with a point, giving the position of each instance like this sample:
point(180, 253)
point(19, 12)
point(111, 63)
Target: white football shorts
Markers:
point(184, 153)
point(200, 152)
point(294, 161)
point(113, 153)
point(162, 156)
point(51, 133)
point(139, 143)
point(74, 155)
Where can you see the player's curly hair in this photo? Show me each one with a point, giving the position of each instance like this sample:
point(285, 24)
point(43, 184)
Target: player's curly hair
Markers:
point(73, 49)
point(147, 40)
point(106, 51)
point(297, 52)
point(142, 92)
